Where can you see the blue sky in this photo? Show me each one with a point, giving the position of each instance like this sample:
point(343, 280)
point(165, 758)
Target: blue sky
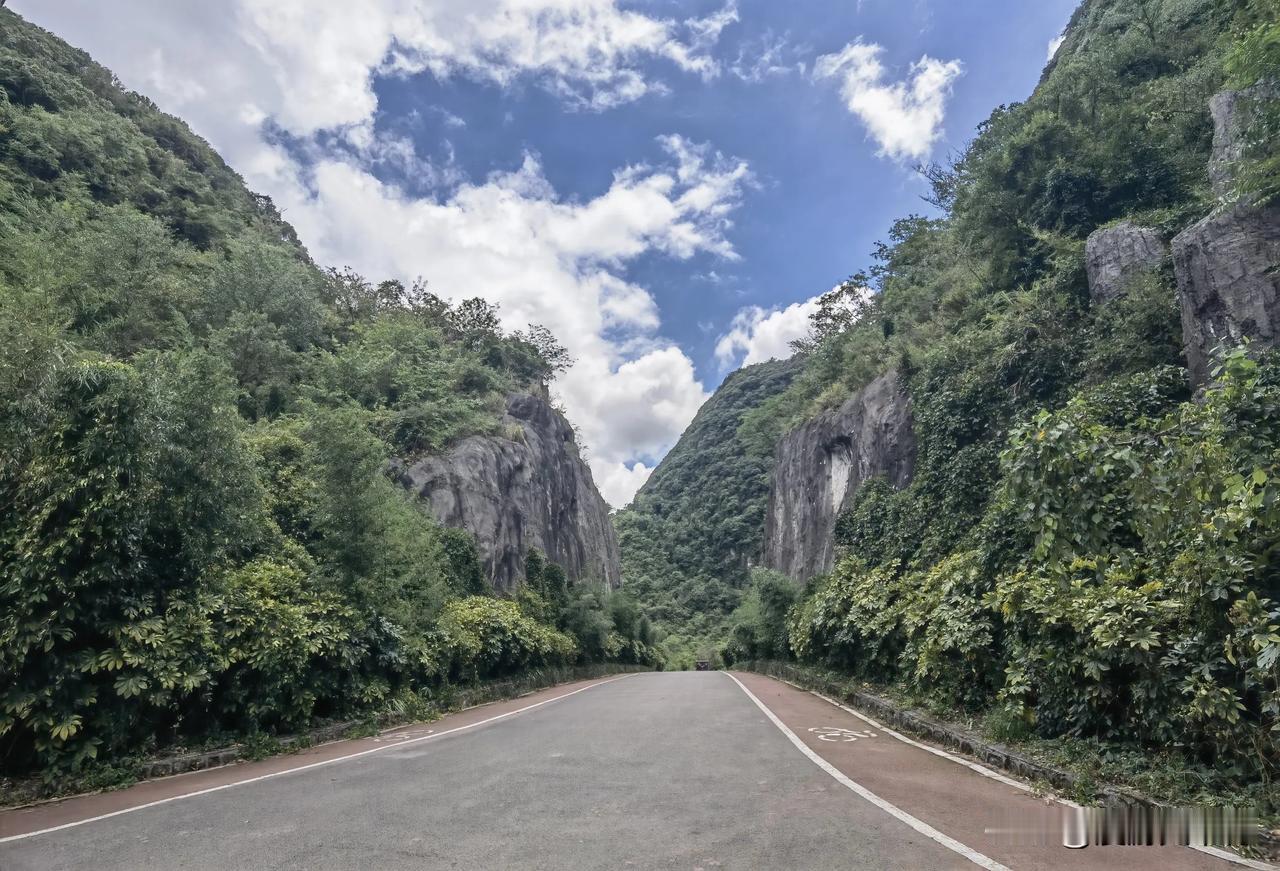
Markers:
point(665, 184)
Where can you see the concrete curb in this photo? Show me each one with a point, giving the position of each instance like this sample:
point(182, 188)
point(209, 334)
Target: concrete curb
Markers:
point(165, 766)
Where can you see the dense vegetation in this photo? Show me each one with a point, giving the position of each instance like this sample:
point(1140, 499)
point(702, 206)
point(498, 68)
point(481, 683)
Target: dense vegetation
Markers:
point(1085, 549)
point(695, 528)
point(199, 536)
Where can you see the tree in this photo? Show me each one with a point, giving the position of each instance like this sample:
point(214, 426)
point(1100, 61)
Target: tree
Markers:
point(475, 322)
point(554, 357)
point(838, 310)
point(116, 518)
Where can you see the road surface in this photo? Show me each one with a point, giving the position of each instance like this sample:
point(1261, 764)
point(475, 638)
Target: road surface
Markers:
point(680, 770)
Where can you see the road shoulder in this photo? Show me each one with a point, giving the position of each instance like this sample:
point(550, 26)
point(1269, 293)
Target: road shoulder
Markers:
point(951, 797)
point(18, 823)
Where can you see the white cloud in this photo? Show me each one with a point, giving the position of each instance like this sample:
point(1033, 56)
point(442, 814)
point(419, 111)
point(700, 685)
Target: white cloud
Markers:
point(308, 68)
point(766, 58)
point(695, 55)
point(1055, 44)
point(325, 56)
point(619, 483)
point(451, 120)
point(757, 335)
point(905, 118)
point(544, 260)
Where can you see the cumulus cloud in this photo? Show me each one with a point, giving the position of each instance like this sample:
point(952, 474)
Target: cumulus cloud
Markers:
point(554, 262)
point(588, 51)
point(308, 69)
point(757, 335)
point(904, 117)
point(619, 484)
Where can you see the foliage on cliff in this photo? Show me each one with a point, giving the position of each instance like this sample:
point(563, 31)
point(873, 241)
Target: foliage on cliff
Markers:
point(1084, 550)
point(1126, 586)
point(1254, 59)
point(695, 527)
point(198, 534)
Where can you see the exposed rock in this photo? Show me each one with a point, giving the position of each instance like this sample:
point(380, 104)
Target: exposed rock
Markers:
point(1115, 255)
point(822, 464)
point(1228, 264)
point(1231, 118)
point(531, 490)
point(1228, 269)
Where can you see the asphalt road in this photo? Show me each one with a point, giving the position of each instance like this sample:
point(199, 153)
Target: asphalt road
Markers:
point(679, 770)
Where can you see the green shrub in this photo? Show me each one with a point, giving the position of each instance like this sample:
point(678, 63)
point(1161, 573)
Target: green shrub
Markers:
point(114, 513)
point(1143, 607)
point(200, 535)
point(758, 626)
point(480, 637)
point(282, 647)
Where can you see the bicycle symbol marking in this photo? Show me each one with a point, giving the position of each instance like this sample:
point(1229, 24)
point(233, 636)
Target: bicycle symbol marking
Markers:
point(395, 737)
point(832, 733)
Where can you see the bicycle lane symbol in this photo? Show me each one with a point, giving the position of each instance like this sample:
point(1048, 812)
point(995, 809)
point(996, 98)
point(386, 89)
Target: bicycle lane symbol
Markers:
point(833, 733)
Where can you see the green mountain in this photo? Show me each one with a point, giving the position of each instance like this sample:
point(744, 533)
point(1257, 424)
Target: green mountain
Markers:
point(695, 527)
point(1083, 548)
point(200, 536)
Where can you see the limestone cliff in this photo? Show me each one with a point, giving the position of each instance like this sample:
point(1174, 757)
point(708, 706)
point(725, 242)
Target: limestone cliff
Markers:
point(1228, 283)
point(1232, 113)
point(1114, 256)
point(1228, 265)
point(820, 466)
point(526, 489)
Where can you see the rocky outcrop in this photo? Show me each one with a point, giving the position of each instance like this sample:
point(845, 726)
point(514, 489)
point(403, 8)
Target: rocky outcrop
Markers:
point(1231, 118)
point(1228, 269)
point(1228, 265)
point(1114, 256)
point(526, 489)
point(821, 465)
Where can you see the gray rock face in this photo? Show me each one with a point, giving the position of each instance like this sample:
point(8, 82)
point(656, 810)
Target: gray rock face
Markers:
point(1231, 118)
point(529, 491)
point(1228, 265)
point(1114, 256)
point(822, 464)
point(1228, 269)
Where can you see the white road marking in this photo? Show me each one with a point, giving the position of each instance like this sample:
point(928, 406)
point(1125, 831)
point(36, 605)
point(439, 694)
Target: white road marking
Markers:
point(308, 767)
point(920, 826)
point(834, 733)
point(400, 737)
point(1216, 852)
point(959, 760)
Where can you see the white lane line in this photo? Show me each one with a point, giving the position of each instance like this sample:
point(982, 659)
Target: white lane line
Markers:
point(959, 760)
point(308, 767)
point(1216, 852)
point(920, 826)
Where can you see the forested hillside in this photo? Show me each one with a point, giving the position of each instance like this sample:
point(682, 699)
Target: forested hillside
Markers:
point(695, 528)
point(199, 535)
point(1085, 549)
